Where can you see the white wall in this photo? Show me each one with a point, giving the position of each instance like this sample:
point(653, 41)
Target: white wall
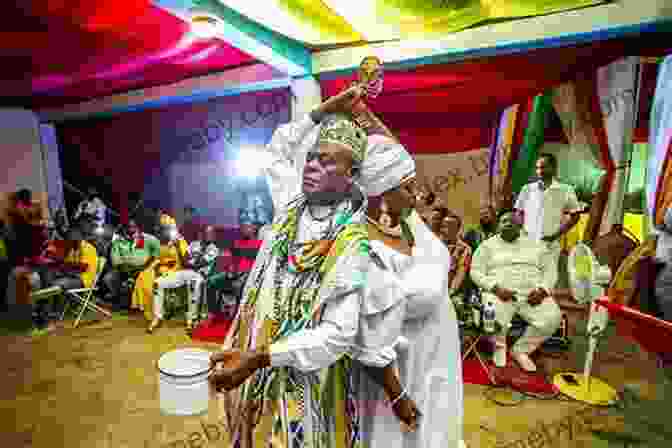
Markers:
point(21, 161)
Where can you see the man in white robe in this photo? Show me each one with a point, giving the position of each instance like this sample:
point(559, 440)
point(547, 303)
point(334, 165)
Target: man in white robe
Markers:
point(517, 275)
point(549, 208)
point(304, 352)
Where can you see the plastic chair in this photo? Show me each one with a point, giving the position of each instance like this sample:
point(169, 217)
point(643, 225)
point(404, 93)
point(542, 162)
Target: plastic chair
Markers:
point(85, 296)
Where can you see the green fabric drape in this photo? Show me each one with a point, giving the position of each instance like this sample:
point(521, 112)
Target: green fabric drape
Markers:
point(523, 167)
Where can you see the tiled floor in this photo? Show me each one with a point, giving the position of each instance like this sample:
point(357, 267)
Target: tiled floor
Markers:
point(96, 387)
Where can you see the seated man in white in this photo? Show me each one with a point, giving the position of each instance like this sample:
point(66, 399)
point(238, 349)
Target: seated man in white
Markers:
point(516, 274)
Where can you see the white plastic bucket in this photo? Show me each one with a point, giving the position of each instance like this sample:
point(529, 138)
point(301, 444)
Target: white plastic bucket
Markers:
point(183, 381)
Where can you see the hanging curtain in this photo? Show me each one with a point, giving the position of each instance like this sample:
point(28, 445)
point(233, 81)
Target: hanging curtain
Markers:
point(574, 113)
point(617, 88)
point(659, 175)
point(523, 167)
point(574, 110)
point(501, 157)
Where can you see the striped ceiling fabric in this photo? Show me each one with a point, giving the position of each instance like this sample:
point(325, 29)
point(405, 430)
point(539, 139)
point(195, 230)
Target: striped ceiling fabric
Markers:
point(329, 22)
point(101, 49)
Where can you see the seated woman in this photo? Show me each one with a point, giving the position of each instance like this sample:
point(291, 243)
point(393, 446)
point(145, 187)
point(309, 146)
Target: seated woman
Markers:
point(171, 271)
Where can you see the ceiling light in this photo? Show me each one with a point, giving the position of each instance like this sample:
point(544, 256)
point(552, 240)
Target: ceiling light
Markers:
point(204, 26)
point(251, 162)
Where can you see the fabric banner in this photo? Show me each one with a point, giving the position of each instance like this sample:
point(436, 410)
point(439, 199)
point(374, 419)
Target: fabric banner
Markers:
point(660, 139)
point(617, 86)
point(523, 167)
point(459, 179)
point(501, 157)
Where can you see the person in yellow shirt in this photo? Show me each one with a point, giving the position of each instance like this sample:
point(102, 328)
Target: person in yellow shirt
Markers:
point(72, 263)
point(75, 263)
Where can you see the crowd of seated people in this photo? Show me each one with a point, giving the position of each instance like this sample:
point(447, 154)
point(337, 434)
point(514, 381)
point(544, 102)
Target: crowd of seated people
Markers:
point(150, 256)
point(506, 267)
point(146, 258)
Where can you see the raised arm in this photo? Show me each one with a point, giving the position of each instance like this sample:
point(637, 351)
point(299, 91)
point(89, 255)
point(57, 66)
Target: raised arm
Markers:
point(287, 152)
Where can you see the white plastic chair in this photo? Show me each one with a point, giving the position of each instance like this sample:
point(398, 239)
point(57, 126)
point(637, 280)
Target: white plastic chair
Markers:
point(85, 296)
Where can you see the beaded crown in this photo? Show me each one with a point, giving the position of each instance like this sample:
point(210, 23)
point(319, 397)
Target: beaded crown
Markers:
point(340, 130)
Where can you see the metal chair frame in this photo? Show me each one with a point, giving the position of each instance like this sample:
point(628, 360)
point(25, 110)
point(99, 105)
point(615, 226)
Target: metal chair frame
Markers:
point(86, 296)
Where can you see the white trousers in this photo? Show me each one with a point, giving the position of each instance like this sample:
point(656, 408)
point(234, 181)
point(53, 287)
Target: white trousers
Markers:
point(194, 282)
point(554, 250)
point(543, 319)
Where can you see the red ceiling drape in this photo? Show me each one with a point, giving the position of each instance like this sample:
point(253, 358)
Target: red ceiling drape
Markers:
point(450, 107)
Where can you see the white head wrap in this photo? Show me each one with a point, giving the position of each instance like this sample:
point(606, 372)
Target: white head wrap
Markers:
point(386, 164)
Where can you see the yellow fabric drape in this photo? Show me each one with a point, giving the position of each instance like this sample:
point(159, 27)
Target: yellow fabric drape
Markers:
point(143, 294)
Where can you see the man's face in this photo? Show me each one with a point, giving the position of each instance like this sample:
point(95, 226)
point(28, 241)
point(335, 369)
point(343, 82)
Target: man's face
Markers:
point(167, 233)
point(422, 196)
point(450, 227)
point(509, 227)
point(400, 198)
point(328, 170)
point(133, 229)
point(209, 234)
point(544, 169)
